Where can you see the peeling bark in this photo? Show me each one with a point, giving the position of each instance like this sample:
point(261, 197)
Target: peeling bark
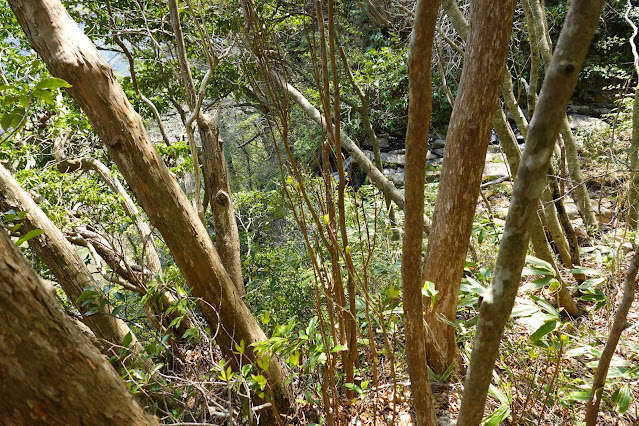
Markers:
point(50, 373)
point(70, 55)
point(63, 261)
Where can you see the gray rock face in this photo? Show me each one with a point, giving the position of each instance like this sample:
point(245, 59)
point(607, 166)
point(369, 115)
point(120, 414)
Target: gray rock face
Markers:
point(578, 121)
point(394, 157)
point(438, 144)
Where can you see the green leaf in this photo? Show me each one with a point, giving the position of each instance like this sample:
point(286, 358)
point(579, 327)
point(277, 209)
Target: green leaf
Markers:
point(624, 398)
point(591, 283)
point(264, 362)
point(527, 270)
point(582, 396)
point(24, 100)
point(31, 234)
point(497, 417)
point(239, 349)
point(541, 282)
point(548, 327)
point(294, 359)
point(429, 291)
point(393, 292)
point(538, 263)
point(260, 380)
point(128, 339)
point(5, 121)
point(546, 306)
point(45, 95)
point(338, 348)
point(52, 83)
point(586, 271)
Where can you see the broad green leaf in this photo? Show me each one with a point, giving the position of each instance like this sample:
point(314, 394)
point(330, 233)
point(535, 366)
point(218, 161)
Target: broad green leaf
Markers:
point(548, 327)
point(393, 292)
point(537, 271)
point(24, 101)
point(591, 283)
point(5, 121)
point(497, 417)
point(586, 271)
point(546, 306)
point(52, 83)
point(578, 351)
point(31, 234)
point(294, 359)
point(128, 339)
point(542, 264)
point(582, 396)
point(499, 395)
point(624, 397)
point(45, 95)
point(339, 348)
point(264, 362)
point(429, 291)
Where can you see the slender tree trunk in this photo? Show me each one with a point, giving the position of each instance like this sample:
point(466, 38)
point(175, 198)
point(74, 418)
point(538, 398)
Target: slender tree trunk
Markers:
point(216, 181)
point(574, 165)
point(70, 55)
point(618, 326)
point(464, 159)
point(633, 193)
point(540, 244)
point(63, 261)
point(166, 299)
point(50, 373)
point(420, 109)
point(559, 83)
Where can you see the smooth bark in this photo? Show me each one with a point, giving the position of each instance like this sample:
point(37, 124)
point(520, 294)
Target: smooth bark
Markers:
point(49, 372)
point(70, 55)
point(420, 109)
point(464, 160)
point(558, 86)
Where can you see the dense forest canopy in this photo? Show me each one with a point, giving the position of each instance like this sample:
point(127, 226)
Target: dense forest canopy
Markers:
point(326, 212)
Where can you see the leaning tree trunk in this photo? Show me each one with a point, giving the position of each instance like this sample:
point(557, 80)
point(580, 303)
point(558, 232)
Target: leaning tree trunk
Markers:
point(464, 158)
point(420, 109)
point(49, 372)
point(619, 324)
point(64, 262)
point(216, 179)
point(165, 299)
point(541, 38)
point(70, 55)
point(560, 81)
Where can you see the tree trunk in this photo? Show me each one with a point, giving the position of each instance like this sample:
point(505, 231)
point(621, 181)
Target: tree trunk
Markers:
point(50, 373)
point(166, 299)
point(618, 326)
point(63, 261)
point(216, 181)
point(582, 198)
point(559, 84)
point(464, 159)
point(633, 193)
point(540, 244)
point(420, 109)
point(70, 55)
